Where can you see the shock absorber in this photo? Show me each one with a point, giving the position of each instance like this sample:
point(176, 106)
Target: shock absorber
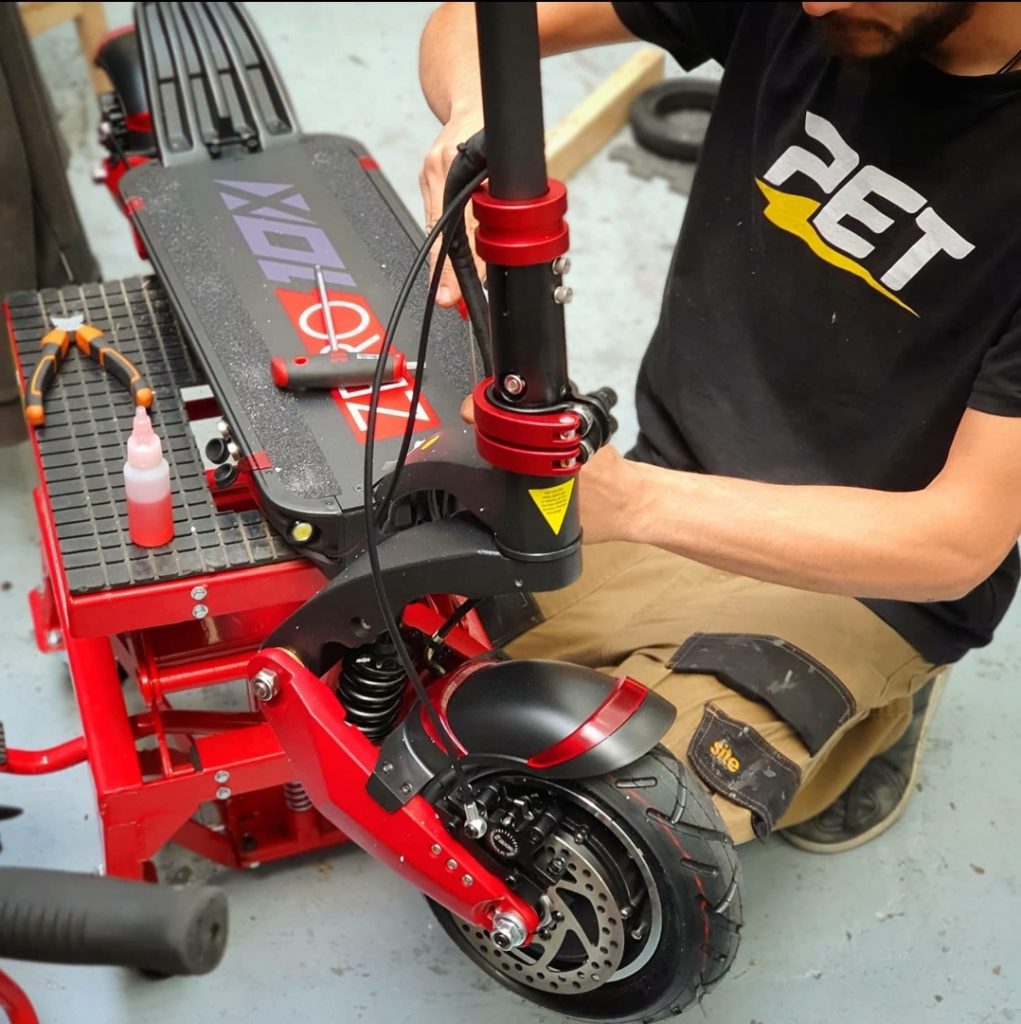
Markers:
point(371, 683)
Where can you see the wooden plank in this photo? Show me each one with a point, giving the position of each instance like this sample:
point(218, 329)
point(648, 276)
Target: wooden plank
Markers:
point(576, 138)
point(41, 17)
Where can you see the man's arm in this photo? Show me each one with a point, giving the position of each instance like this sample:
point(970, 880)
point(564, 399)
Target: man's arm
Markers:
point(929, 545)
point(449, 71)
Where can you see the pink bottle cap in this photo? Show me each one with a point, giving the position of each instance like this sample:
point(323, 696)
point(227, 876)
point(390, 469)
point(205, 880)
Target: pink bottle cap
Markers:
point(144, 447)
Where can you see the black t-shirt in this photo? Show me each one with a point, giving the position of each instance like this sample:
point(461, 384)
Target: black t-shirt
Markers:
point(848, 276)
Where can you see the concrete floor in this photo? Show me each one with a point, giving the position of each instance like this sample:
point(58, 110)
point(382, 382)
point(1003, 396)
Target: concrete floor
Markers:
point(922, 925)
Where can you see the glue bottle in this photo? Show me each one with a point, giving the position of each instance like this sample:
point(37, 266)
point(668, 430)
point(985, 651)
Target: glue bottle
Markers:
point(147, 486)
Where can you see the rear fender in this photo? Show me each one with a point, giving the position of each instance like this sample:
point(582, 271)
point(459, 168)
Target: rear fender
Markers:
point(556, 720)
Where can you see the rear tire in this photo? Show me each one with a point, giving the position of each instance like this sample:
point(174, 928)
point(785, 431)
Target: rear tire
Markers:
point(656, 816)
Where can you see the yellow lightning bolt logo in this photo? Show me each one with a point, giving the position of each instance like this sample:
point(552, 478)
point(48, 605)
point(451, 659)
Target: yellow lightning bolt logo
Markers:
point(791, 213)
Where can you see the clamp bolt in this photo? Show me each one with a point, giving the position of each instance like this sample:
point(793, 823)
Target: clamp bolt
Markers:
point(562, 295)
point(265, 685)
point(561, 265)
point(514, 385)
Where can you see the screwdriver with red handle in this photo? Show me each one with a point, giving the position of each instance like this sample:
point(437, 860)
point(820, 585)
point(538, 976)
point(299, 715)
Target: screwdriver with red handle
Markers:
point(334, 370)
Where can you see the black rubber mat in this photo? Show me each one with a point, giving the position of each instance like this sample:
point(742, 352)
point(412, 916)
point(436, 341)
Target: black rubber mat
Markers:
point(88, 420)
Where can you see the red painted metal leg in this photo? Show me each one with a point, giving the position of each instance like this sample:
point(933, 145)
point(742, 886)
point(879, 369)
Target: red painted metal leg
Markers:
point(14, 1001)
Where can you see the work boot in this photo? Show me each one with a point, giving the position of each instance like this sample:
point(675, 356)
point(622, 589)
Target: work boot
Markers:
point(878, 795)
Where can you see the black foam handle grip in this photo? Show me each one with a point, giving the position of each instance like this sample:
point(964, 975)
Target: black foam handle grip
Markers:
point(67, 918)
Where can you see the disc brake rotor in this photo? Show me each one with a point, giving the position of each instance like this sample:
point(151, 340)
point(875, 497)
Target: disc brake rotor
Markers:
point(581, 945)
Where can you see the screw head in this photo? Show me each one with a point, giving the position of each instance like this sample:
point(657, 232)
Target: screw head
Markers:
point(436, 849)
point(561, 265)
point(53, 637)
point(200, 611)
point(265, 684)
point(386, 767)
point(198, 593)
point(467, 880)
point(406, 788)
point(222, 776)
point(223, 793)
point(514, 385)
point(562, 294)
point(451, 864)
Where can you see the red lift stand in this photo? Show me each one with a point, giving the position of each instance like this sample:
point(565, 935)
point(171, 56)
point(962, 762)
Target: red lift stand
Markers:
point(146, 632)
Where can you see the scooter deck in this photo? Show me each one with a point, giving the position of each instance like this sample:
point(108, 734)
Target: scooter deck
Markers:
point(235, 219)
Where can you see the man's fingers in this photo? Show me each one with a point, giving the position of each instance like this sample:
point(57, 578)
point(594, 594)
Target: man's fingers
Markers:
point(468, 410)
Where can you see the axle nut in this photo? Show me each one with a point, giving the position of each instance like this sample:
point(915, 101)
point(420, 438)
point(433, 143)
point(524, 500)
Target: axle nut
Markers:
point(508, 931)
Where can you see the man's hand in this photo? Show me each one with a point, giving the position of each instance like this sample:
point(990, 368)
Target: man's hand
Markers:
point(432, 179)
point(608, 497)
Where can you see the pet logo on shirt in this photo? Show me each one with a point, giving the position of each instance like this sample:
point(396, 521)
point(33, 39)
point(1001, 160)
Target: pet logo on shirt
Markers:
point(823, 226)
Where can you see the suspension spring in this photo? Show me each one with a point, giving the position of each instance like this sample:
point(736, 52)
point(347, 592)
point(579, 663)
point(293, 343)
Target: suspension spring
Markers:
point(296, 798)
point(371, 684)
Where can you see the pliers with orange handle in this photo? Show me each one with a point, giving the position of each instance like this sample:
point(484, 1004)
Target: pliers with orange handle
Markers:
point(55, 346)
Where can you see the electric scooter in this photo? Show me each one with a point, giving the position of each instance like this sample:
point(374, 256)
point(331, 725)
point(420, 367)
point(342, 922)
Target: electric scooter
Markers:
point(563, 849)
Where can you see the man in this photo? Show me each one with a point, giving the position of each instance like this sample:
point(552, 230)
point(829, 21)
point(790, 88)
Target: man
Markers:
point(823, 503)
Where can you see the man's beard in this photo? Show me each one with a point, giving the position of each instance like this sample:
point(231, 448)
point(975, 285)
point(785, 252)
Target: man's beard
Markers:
point(917, 38)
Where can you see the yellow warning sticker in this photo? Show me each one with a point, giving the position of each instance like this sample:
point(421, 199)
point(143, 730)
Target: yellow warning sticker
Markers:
point(553, 503)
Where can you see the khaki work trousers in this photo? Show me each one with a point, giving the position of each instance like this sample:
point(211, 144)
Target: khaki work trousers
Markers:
point(634, 605)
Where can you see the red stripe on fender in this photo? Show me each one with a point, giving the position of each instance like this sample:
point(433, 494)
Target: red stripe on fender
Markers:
point(623, 701)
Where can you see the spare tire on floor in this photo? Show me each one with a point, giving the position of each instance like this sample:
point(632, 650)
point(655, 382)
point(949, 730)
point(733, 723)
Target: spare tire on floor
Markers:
point(657, 131)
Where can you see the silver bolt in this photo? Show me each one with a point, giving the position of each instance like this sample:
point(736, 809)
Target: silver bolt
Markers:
point(234, 452)
point(53, 637)
point(221, 776)
point(223, 792)
point(200, 611)
point(467, 880)
point(514, 385)
point(406, 788)
point(475, 825)
point(508, 931)
point(451, 864)
point(386, 767)
point(223, 428)
point(562, 295)
point(436, 849)
point(265, 685)
point(198, 593)
point(562, 265)
point(625, 912)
